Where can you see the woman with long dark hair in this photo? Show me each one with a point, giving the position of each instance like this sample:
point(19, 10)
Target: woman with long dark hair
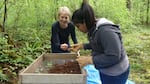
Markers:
point(105, 40)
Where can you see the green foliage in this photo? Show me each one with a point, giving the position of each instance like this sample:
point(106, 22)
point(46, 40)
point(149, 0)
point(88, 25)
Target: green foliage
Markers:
point(30, 13)
point(3, 77)
point(10, 61)
point(116, 12)
point(139, 11)
point(33, 13)
point(29, 25)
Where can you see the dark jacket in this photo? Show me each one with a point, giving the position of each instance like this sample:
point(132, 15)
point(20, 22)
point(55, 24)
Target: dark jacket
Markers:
point(60, 36)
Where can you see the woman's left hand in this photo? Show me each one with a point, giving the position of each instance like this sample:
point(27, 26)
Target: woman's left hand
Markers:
point(64, 46)
point(84, 60)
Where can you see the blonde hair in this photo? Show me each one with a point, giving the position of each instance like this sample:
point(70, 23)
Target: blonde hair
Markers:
point(64, 9)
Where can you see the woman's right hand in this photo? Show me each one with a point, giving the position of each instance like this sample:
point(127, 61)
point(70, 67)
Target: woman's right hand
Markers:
point(76, 47)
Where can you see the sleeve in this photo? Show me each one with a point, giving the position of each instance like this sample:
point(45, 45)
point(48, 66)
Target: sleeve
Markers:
point(55, 37)
point(87, 46)
point(73, 34)
point(111, 44)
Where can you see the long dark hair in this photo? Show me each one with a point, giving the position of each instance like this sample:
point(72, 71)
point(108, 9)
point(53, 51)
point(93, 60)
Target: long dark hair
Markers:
point(84, 14)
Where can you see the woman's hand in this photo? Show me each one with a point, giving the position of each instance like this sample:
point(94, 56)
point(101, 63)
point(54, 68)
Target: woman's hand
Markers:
point(64, 46)
point(84, 60)
point(76, 47)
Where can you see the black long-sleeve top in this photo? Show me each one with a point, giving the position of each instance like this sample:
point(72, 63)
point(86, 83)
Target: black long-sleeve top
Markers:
point(60, 36)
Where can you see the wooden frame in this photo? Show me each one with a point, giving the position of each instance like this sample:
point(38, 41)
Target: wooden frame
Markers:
point(28, 75)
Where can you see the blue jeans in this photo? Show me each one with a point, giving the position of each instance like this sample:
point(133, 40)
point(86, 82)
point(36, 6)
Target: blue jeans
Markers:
point(120, 79)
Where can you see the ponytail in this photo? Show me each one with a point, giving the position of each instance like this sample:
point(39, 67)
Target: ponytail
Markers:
point(84, 14)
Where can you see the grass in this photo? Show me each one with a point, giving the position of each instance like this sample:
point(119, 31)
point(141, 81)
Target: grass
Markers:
point(137, 45)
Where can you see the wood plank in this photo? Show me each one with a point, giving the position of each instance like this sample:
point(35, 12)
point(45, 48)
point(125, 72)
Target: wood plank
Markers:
point(54, 78)
point(51, 56)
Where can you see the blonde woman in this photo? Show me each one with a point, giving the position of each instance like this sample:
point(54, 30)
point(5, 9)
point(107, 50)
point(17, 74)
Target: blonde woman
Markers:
point(61, 30)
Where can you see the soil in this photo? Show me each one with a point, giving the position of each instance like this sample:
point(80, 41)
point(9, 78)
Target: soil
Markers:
point(67, 68)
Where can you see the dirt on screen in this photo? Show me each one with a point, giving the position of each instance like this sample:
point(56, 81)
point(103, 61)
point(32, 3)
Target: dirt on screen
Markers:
point(70, 67)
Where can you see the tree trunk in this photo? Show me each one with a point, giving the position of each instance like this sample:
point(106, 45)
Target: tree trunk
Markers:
point(85, 1)
point(5, 16)
point(128, 4)
point(147, 17)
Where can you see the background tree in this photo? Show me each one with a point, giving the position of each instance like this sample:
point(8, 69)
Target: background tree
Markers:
point(140, 12)
point(148, 8)
point(5, 16)
point(129, 4)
